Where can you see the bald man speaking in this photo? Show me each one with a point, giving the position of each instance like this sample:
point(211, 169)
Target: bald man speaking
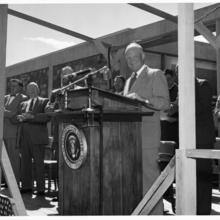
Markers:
point(148, 85)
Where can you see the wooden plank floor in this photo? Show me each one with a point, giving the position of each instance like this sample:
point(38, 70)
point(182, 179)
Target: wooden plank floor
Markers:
point(45, 206)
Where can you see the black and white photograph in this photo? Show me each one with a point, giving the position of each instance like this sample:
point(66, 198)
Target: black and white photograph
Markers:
point(109, 108)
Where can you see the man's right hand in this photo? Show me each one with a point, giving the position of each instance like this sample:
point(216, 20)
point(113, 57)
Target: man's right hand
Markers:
point(20, 118)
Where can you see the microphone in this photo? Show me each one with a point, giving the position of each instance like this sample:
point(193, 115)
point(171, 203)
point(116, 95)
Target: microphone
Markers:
point(78, 73)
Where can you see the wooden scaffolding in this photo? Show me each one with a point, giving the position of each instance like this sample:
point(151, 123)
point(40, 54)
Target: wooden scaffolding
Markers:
point(186, 155)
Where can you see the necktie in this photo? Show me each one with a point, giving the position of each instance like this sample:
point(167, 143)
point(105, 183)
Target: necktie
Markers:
point(31, 105)
point(133, 78)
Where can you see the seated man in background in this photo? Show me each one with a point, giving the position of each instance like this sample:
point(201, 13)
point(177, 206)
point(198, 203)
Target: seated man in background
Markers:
point(119, 83)
point(11, 127)
point(34, 137)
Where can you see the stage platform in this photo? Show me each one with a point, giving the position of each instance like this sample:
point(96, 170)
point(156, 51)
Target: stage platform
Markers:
point(48, 206)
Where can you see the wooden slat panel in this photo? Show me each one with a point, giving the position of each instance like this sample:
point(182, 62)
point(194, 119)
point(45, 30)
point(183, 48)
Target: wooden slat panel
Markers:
point(122, 165)
point(81, 186)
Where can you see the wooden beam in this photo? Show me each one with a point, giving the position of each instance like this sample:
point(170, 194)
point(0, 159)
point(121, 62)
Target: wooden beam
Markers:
point(41, 22)
point(203, 153)
point(3, 37)
point(218, 62)
point(155, 188)
point(170, 34)
point(19, 207)
point(206, 33)
point(155, 11)
point(186, 168)
point(159, 193)
point(49, 25)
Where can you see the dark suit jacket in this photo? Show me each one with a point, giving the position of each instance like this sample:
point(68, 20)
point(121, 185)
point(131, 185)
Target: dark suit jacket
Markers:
point(205, 131)
point(11, 110)
point(36, 128)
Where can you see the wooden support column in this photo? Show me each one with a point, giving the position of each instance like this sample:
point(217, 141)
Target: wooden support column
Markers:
point(218, 62)
point(3, 36)
point(186, 168)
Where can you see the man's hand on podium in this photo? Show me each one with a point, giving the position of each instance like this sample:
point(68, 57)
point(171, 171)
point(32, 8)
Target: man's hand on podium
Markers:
point(134, 95)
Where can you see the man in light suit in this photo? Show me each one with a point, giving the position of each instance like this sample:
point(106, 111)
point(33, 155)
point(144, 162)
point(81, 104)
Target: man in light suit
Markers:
point(34, 137)
point(11, 129)
point(150, 86)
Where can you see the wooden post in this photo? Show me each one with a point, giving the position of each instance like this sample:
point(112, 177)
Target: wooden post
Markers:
point(186, 168)
point(3, 36)
point(218, 63)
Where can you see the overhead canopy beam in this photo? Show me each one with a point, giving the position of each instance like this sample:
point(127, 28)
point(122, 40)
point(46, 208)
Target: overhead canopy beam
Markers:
point(155, 11)
point(206, 33)
point(49, 25)
point(202, 29)
point(41, 22)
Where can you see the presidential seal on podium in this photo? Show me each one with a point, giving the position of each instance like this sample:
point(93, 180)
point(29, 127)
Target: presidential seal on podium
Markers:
point(74, 146)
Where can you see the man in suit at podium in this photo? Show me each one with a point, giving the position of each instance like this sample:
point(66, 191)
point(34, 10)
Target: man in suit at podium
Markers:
point(11, 129)
point(34, 137)
point(150, 86)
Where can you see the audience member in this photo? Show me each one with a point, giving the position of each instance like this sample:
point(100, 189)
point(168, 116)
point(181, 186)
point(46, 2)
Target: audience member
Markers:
point(205, 138)
point(119, 83)
point(169, 118)
point(66, 78)
point(150, 86)
point(34, 137)
point(11, 128)
point(170, 126)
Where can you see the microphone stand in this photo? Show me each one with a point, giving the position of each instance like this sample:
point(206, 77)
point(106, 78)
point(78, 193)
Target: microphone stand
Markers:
point(87, 77)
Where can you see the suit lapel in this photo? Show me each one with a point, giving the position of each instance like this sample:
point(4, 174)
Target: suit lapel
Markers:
point(139, 79)
point(7, 98)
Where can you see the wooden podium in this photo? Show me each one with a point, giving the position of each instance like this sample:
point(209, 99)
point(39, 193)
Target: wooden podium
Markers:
point(100, 158)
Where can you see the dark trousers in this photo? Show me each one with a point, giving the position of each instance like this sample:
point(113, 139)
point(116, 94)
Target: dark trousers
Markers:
point(13, 154)
point(170, 131)
point(204, 186)
point(29, 151)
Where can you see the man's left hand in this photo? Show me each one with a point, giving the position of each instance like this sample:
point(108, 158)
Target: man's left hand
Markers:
point(134, 95)
point(28, 115)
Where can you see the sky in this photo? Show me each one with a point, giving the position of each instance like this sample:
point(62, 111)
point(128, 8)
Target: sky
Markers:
point(26, 40)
